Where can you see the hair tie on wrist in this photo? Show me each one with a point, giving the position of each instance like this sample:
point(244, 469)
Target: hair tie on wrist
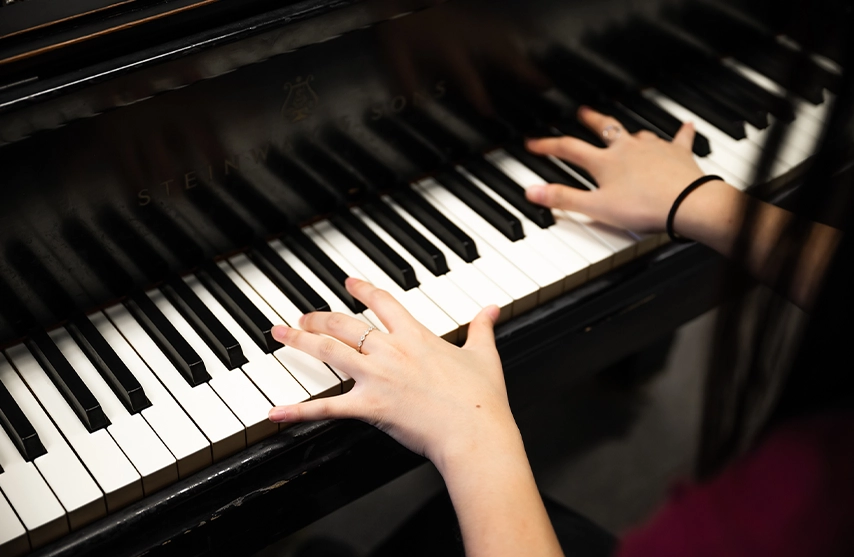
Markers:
point(679, 199)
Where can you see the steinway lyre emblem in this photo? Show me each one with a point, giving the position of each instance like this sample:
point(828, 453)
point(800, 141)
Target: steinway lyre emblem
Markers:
point(301, 100)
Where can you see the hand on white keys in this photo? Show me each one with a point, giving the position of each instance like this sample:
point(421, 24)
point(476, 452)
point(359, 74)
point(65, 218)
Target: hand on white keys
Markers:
point(639, 175)
point(431, 396)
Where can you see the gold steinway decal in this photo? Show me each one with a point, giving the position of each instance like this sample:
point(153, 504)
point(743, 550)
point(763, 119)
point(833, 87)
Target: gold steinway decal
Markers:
point(301, 99)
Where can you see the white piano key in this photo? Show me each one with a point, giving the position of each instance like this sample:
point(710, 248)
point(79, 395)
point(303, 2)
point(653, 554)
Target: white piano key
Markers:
point(809, 117)
point(465, 275)
point(314, 376)
point(133, 435)
point(335, 303)
point(218, 423)
point(599, 255)
point(345, 266)
point(575, 269)
point(171, 424)
point(491, 263)
point(29, 495)
point(277, 384)
point(13, 536)
point(98, 451)
point(624, 244)
point(548, 278)
point(444, 293)
point(232, 386)
point(744, 154)
point(62, 470)
point(424, 310)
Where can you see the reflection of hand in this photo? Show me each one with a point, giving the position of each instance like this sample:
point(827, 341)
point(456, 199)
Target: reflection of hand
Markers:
point(639, 175)
point(463, 45)
point(431, 396)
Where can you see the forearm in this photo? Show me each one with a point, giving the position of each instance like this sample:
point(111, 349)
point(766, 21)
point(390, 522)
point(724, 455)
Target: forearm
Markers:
point(712, 215)
point(498, 506)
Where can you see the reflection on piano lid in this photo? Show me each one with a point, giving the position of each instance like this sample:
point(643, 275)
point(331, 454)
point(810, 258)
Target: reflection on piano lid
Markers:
point(138, 293)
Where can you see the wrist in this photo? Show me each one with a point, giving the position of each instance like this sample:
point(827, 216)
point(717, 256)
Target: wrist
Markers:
point(496, 440)
point(710, 215)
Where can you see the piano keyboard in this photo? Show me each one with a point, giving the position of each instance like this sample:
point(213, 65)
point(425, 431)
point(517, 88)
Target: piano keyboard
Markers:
point(123, 402)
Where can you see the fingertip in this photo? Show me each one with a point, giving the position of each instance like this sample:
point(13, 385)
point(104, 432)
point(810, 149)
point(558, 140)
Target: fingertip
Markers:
point(536, 194)
point(278, 414)
point(279, 332)
point(351, 282)
point(493, 312)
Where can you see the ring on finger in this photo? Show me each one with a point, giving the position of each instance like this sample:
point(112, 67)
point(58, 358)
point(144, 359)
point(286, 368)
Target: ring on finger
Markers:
point(363, 337)
point(611, 132)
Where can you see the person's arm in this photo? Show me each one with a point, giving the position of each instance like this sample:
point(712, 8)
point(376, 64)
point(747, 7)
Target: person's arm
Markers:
point(641, 175)
point(445, 402)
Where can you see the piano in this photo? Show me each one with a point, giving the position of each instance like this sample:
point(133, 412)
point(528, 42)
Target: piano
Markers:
point(179, 176)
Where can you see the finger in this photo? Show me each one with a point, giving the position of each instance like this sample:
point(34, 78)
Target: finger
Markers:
point(342, 406)
point(325, 349)
point(596, 121)
point(481, 332)
point(558, 196)
point(685, 136)
point(567, 148)
point(392, 314)
point(345, 328)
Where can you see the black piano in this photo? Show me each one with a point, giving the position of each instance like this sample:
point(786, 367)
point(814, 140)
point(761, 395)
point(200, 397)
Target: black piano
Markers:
point(180, 175)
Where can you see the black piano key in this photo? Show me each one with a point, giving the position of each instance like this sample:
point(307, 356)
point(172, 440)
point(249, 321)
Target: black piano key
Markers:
point(241, 308)
point(435, 133)
point(420, 247)
point(755, 47)
point(286, 279)
point(205, 323)
point(18, 427)
point(741, 104)
point(714, 113)
point(335, 175)
point(321, 265)
point(413, 147)
point(363, 161)
point(578, 130)
point(512, 192)
point(167, 338)
point(776, 105)
point(380, 253)
point(72, 387)
point(490, 127)
point(664, 121)
point(291, 172)
point(109, 365)
point(433, 220)
point(586, 83)
point(482, 204)
point(549, 171)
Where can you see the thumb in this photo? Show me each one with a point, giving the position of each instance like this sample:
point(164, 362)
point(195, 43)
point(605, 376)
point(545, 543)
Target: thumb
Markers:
point(558, 196)
point(481, 333)
point(319, 409)
point(685, 136)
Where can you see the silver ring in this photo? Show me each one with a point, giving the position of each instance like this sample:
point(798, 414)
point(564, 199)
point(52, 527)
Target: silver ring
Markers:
point(363, 337)
point(611, 132)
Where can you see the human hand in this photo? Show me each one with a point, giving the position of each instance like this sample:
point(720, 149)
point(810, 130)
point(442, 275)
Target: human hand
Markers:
point(435, 398)
point(639, 175)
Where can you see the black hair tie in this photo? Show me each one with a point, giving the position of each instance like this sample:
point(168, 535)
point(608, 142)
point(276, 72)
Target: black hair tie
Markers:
point(679, 199)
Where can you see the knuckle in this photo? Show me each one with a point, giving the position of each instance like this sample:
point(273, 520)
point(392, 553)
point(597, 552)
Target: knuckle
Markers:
point(335, 322)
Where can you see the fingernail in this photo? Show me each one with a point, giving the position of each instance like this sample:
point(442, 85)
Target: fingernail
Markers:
point(278, 414)
point(350, 281)
point(536, 193)
point(279, 332)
